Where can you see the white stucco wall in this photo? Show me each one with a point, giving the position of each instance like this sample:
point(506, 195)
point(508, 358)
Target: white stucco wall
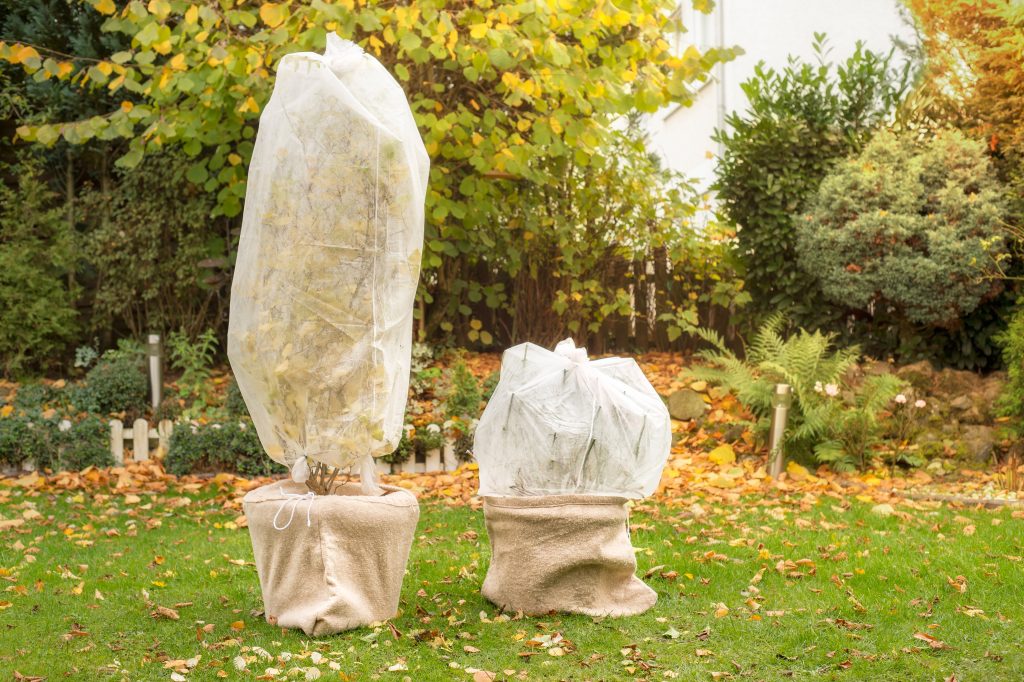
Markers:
point(768, 30)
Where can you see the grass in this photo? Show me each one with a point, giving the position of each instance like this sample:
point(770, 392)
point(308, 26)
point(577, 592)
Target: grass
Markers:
point(84, 576)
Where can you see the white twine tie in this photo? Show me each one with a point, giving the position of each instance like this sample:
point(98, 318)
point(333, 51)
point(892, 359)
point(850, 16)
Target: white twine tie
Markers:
point(294, 499)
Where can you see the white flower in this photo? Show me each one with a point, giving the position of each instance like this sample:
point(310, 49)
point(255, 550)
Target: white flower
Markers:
point(900, 398)
point(817, 387)
point(65, 425)
point(831, 390)
point(919, 403)
point(433, 428)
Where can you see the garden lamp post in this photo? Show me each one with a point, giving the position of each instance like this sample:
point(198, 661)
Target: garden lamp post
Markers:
point(156, 380)
point(782, 398)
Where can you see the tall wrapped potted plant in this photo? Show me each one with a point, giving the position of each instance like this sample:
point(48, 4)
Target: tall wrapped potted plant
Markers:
point(320, 333)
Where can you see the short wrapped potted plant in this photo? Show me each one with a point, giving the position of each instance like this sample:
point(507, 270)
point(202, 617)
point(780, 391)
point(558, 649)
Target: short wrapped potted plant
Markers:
point(563, 445)
point(321, 331)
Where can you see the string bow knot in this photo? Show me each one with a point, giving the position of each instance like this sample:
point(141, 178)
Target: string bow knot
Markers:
point(294, 499)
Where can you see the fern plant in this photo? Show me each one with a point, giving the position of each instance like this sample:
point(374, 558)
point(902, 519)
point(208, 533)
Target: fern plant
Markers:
point(804, 360)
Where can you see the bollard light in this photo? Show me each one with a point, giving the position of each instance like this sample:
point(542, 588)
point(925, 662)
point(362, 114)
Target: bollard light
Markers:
point(782, 398)
point(156, 380)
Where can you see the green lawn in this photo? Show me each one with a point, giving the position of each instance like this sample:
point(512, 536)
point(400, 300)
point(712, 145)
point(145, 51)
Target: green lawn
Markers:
point(83, 579)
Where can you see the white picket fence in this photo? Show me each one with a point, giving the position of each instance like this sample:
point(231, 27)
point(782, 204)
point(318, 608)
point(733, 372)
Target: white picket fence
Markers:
point(140, 435)
point(442, 459)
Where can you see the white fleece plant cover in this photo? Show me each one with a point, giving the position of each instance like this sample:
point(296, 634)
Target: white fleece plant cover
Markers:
point(320, 333)
point(559, 423)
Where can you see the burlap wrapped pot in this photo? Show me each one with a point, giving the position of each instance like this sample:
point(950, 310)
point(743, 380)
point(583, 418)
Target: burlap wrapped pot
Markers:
point(329, 563)
point(568, 553)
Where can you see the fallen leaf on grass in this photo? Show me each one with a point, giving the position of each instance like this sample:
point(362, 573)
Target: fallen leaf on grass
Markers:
point(164, 612)
point(75, 631)
point(653, 569)
point(848, 625)
point(238, 625)
point(723, 454)
point(958, 583)
point(932, 641)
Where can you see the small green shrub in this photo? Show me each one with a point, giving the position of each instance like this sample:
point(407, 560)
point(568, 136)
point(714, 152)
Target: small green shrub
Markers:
point(34, 397)
point(167, 409)
point(1011, 400)
point(463, 397)
point(463, 445)
point(116, 384)
point(25, 438)
point(429, 437)
point(402, 452)
point(907, 230)
point(490, 383)
point(43, 441)
point(234, 403)
point(194, 359)
point(86, 443)
point(231, 446)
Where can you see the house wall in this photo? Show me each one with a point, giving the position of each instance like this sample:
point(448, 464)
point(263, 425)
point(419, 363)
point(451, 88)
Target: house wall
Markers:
point(768, 30)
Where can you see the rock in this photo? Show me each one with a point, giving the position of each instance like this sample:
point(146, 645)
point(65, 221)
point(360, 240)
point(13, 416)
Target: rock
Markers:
point(956, 382)
point(883, 509)
point(686, 404)
point(733, 433)
point(978, 441)
point(853, 377)
point(989, 393)
point(919, 374)
point(699, 386)
point(874, 368)
point(961, 403)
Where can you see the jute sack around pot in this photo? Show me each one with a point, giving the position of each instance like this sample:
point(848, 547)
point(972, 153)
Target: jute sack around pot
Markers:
point(329, 563)
point(568, 553)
